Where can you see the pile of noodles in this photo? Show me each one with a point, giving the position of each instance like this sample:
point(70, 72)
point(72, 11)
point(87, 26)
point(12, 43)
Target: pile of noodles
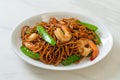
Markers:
point(55, 54)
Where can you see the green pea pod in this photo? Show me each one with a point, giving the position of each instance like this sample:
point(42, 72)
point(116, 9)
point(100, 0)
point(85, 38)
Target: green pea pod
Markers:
point(28, 31)
point(71, 59)
point(29, 53)
point(89, 26)
point(45, 35)
point(90, 54)
point(97, 39)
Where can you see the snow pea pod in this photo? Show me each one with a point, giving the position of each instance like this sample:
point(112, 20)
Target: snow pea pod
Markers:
point(88, 25)
point(97, 39)
point(29, 53)
point(71, 59)
point(45, 35)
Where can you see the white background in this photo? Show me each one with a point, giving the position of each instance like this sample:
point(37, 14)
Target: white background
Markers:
point(12, 12)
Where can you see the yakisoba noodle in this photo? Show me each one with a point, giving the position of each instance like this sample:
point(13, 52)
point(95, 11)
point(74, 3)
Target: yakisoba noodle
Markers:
point(75, 39)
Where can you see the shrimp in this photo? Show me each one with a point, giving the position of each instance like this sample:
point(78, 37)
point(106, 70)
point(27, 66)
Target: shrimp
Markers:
point(84, 48)
point(31, 46)
point(32, 37)
point(88, 46)
point(63, 34)
point(95, 50)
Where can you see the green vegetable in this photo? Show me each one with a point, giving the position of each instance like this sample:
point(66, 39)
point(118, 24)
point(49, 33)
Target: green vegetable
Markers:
point(89, 26)
point(29, 53)
point(45, 35)
point(71, 59)
point(90, 54)
point(28, 31)
point(97, 39)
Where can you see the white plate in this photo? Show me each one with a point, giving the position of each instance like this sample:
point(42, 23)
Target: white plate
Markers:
point(103, 32)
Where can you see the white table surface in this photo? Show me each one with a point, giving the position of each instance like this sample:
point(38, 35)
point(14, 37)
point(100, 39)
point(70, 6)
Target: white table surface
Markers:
point(12, 12)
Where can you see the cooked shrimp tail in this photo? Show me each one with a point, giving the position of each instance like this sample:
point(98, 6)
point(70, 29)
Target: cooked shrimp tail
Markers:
point(95, 50)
